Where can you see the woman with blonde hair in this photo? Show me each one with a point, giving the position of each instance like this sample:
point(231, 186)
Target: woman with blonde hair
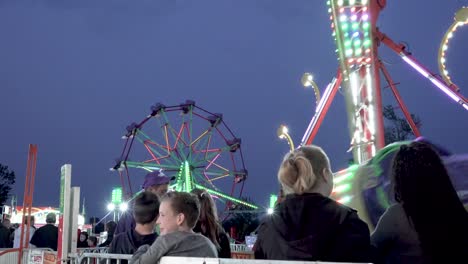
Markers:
point(307, 225)
point(208, 224)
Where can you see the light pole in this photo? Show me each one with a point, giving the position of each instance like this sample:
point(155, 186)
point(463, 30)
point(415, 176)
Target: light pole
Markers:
point(308, 80)
point(282, 133)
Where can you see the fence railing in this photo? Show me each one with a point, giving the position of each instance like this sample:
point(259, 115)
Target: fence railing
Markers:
point(30, 255)
point(98, 258)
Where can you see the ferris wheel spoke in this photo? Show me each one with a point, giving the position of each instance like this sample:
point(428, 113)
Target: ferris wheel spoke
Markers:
point(220, 176)
point(180, 143)
point(152, 150)
point(189, 131)
point(226, 197)
point(203, 178)
point(151, 166)
point(168, 126)
point(177, 137)
point(210, 154)
point(152, 142)
point(200, 141)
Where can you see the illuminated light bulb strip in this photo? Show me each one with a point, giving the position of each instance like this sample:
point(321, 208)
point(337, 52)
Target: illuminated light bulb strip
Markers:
point(347, 176)
point(342, 188)
point(227, 197)
point(461, 19)
point(351, 19)
point(318, 110)
point(442, 86)
point(345, 199)
point(370, 109)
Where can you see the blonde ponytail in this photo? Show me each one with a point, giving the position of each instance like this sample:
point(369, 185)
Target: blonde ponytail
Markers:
point(300, 169)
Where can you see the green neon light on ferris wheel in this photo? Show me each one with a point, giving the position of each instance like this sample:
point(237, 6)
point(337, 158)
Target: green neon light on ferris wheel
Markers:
point(188, 178)
point(227, 197)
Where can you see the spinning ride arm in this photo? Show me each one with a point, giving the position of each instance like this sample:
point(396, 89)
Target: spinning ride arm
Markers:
point(449, 89)
point(322, 109)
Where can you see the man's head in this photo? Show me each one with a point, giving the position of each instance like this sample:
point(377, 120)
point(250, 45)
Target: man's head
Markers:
point(51, 218)
point(146, 208)
point(157, 183)
point(178, 211)
point(110, 227)
point(6, 223)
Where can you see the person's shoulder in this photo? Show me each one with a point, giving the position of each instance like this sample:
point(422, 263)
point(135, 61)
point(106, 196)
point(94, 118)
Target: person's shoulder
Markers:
point(204, 240)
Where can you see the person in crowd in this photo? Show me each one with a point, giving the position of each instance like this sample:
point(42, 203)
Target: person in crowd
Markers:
point(307, 224)
point(145, 212)
point(83, 240)
point(208, 224)
point(178, 214)
point(110, 229)
point(17, 234)
point(92, 241)
point(47, 235)
point(7, 224)
point(156, 182)
point(4, 235)
point(428, 223)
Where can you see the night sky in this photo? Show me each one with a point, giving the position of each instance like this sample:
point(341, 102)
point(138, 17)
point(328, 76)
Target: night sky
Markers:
point(74, 75)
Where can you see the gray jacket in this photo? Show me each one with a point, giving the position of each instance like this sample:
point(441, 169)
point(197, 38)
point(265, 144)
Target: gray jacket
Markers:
point(180, 244)
point(396, 239)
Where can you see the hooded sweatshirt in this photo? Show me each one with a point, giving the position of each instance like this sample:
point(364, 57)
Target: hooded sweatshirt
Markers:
point(128, 242)
point(315, 228)
point(177, 244)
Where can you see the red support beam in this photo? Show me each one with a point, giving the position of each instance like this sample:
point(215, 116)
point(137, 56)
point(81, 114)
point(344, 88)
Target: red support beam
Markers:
point(402, 105)
point(28, 198)
point(319, 116)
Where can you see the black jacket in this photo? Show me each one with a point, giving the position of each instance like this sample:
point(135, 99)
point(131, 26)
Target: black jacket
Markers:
point(315, 228)
point(5, 241)
point(224, 250)
point(106, 243)
point(46, 237)
point(128, 242)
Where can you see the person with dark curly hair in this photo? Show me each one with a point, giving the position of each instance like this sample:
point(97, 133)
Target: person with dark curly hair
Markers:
point(428, 223)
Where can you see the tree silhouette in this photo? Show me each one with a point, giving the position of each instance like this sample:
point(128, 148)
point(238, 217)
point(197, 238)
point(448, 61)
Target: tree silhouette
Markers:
point(397, 128)
point(7, 179)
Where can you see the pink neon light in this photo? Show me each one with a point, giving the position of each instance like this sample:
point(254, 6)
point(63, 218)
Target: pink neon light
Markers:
point(211, 162)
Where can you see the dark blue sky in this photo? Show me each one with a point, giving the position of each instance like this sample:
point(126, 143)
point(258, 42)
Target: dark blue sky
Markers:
point(73, 75)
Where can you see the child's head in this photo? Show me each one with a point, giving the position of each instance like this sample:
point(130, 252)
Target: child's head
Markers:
point(146, 208)
point(306, 170)
point(178, 211)
point(83, 236)
point(92, 241)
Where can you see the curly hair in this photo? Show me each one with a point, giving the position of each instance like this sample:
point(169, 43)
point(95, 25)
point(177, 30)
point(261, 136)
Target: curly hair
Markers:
point(423, 187)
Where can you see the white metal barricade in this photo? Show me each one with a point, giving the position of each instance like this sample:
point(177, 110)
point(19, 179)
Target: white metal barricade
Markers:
point(97, 258)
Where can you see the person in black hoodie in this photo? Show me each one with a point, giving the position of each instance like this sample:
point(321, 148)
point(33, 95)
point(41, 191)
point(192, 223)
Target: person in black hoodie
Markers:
point(145, 212)
point(110, 229)
point(307, 225)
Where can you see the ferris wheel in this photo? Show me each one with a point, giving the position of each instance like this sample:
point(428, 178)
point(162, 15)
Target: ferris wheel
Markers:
point(190, 144)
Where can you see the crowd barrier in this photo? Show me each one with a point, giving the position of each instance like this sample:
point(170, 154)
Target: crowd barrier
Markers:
point(46, 256)
point(29, 256)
